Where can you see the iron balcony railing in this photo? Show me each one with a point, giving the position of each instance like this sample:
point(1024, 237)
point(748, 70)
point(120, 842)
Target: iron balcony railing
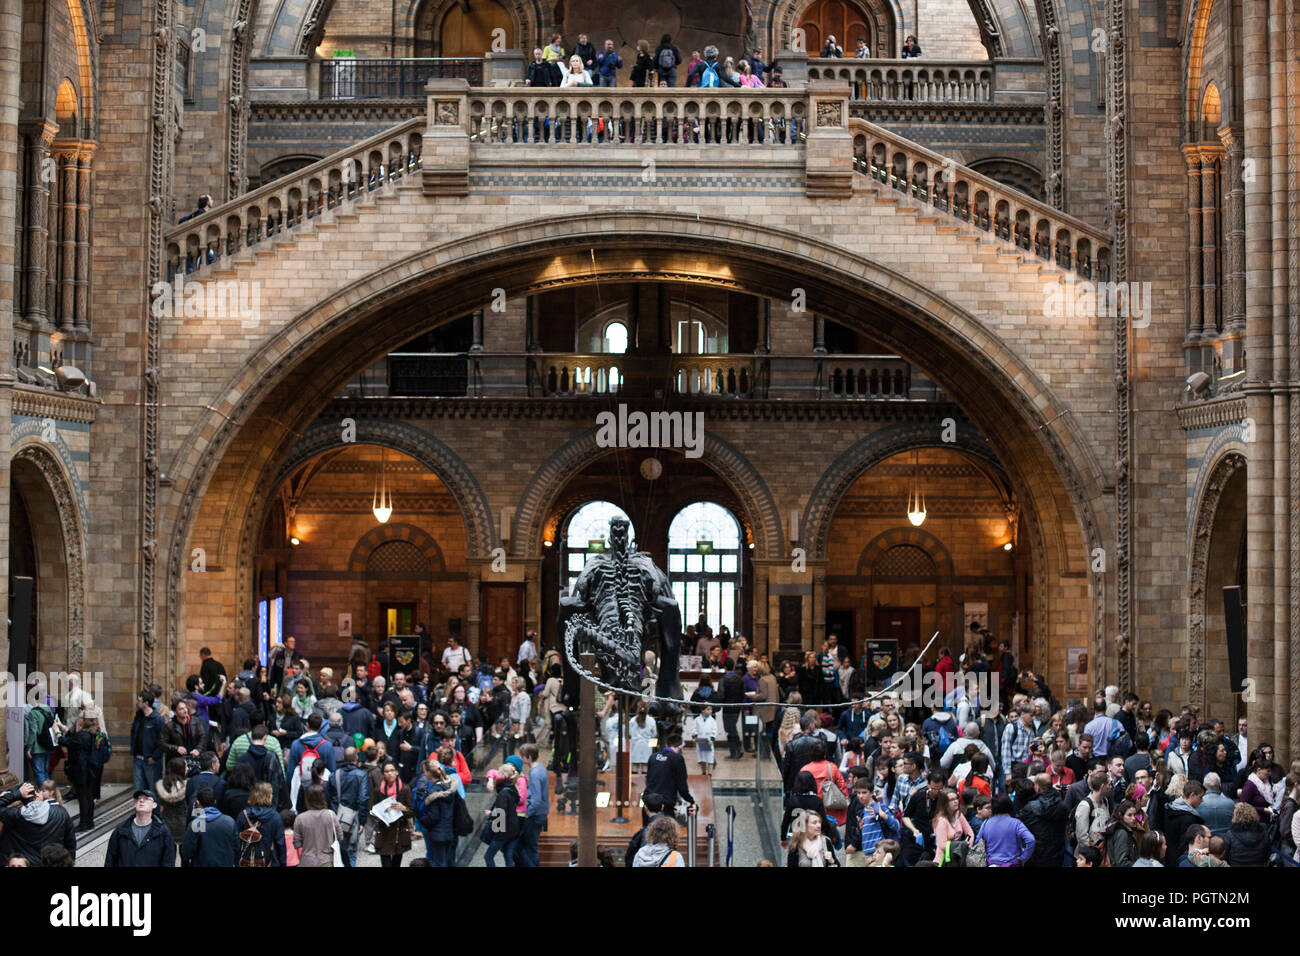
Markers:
point(392, 79)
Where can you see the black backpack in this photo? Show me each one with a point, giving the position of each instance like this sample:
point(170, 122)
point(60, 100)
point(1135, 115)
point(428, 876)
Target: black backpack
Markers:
point(46, 735)
point(462, 824)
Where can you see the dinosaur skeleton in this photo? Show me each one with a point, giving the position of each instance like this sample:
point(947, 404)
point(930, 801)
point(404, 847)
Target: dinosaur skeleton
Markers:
point(621, 606)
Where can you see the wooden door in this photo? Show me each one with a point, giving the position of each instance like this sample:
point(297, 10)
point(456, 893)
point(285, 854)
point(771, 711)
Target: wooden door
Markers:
point(501, 622)
point(837, 18)
point(468, 33)
point(902, 624)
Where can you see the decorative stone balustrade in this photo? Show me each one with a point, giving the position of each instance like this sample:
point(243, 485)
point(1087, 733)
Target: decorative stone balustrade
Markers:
point(867, 377)
point(960, 192)
point(283, 205)
point(630, 116)
point(921, 81)
point(720, 376)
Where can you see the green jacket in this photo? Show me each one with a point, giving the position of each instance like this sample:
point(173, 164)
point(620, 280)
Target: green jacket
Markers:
point(33, 727)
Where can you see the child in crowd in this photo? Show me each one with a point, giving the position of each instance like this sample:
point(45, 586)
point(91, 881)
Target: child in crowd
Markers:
point(705, 729)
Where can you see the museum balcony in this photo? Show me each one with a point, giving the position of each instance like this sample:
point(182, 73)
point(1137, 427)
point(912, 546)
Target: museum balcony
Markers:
point(568, 376)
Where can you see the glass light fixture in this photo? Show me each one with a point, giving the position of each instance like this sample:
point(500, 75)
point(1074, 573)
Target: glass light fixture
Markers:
point(381, 502)
point(915, 499)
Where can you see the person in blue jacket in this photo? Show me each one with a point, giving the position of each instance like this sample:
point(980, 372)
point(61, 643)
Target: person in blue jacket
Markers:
point(608, 63)
point(214, 842)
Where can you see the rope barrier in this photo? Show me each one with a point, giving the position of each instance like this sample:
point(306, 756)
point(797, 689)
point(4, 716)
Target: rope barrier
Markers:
point(677, 701)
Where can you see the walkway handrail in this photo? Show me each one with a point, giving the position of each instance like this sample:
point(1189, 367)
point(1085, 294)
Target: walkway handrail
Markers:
point(297, 197)
point(1002, 211)
point(922, 81)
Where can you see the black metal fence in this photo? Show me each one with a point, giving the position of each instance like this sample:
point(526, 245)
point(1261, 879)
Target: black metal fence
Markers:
point(348, 79)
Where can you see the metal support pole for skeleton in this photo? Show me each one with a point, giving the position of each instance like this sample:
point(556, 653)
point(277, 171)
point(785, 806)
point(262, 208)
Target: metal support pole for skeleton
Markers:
point(587, 768)
point(622, 766)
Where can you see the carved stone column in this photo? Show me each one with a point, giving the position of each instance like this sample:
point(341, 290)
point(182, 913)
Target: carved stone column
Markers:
point(1211, 171)
point(81, 316)
point(1194, 261)
point(37, 201)
point(1234, 254)
point(68, 180)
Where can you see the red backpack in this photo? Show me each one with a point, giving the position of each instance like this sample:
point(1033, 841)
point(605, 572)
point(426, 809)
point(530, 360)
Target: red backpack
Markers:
point(374, 668)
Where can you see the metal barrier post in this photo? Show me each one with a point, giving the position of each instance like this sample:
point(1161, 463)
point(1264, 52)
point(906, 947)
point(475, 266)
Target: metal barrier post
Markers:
point(692, 824)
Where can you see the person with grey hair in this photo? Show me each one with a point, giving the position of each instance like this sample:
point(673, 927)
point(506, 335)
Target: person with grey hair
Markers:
point(970, 735)
point(1215, 808)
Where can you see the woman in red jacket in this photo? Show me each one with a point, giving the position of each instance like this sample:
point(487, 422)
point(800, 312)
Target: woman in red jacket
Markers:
point(823, 770)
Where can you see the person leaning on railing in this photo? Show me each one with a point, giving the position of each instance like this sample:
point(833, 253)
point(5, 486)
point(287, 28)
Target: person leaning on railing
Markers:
point(832, 49)
point(542, 72)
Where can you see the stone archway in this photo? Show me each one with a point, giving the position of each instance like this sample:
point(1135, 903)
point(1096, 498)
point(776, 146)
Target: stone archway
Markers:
point(47, 489)
point(264, 406)
point(1210, 523)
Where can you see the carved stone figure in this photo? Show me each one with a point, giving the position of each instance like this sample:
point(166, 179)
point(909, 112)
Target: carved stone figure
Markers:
point(621, 606)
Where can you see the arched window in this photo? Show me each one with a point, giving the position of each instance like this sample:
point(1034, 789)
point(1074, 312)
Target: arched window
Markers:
point(588, 534)
point(704, 567)
point(616, 338)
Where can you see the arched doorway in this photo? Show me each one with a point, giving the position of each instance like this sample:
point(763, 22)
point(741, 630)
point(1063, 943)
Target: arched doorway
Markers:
point(46, 546)
point(336, 570)
point(463, 29)
point(1218, 560)
point(847, 22)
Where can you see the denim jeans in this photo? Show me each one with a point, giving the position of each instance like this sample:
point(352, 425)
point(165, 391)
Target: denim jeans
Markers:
point(144, 774)
point(40, 768)
point(610, 80)
point(504, 847)
point(526, 852)
point(351, 841)
point(668, 76)
point(440, 853)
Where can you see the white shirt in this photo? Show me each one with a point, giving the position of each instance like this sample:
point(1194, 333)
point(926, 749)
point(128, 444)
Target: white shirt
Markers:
point(527, 652)
point(452, 659)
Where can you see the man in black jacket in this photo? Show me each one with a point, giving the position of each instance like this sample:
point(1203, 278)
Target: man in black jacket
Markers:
point(211, 839)
point(798, 752)
point(666, 772)
point(921, 808)
point(1045, 818)
point(34, 824)
point(1179, 817)
point(142, 840)
point(210, 776)
point(732, 688)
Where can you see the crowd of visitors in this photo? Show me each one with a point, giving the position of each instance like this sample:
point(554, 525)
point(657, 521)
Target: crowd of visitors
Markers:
point(286, 766)
point(1109, 782)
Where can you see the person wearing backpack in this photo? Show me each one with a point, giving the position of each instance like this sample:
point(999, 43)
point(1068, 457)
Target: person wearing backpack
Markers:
point(1093, 812)
point(41, 734)
point(352, 794)
point(435, 807)
point(261, 831)
point(266, 766)
point(304, 752)
point(939, 730)
point(216, 842)
point(667, 59)
point(88, 750)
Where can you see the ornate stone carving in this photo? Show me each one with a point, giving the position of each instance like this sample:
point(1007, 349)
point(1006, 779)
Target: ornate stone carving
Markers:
point(830, 113)
point(446, 113)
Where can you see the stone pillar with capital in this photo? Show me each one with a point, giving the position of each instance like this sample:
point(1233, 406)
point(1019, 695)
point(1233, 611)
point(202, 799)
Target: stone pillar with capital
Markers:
point(444, 158)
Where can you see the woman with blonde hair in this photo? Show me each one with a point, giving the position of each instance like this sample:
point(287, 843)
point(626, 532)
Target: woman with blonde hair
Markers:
point(789, 727)
point(809, 847)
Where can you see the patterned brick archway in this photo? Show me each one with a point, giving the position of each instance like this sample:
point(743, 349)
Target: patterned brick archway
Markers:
point(420, 539)
point(914, 537)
